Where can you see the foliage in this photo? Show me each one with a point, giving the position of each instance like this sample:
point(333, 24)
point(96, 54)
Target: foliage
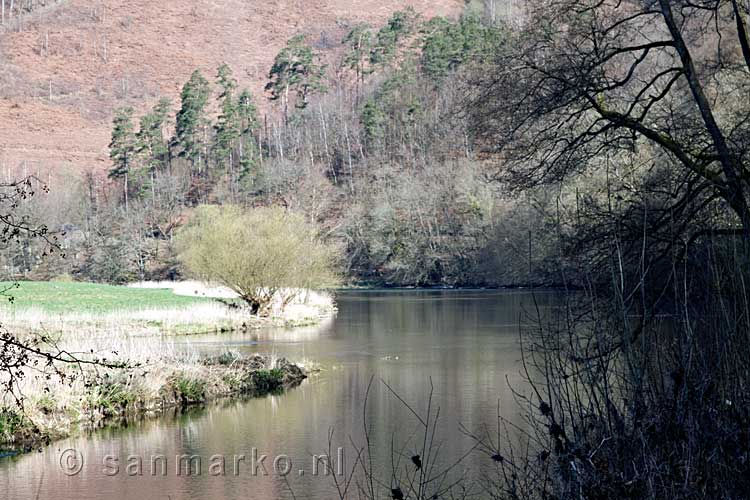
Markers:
point(261, 253)
point(228, 123)
point(14, 425)
point(373, 119)
point(359, 42)
point(295, 69)
point(267, 380)
point(122, 147)
point(448, 45)
point(189, 390)
point(331, 161)
point(112, 397)
point(192, 120)
point(247, 114)
point(400, 26)
point(150, 137)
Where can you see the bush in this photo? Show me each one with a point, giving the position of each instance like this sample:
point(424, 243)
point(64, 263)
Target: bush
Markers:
point(260, 253)
point(268, 380)
point(14, 426)
point(189, 390)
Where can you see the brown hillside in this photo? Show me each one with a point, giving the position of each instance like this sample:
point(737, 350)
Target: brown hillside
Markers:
point(64, 69)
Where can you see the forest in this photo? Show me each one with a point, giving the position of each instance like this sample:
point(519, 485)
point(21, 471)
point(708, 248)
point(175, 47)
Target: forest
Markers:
point(374, 147)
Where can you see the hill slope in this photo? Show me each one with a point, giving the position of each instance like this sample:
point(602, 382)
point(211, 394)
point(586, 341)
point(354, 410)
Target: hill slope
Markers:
point(64, 68)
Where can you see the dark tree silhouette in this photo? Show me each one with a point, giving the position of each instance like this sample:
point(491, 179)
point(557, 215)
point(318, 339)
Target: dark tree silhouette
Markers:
point(24, 353)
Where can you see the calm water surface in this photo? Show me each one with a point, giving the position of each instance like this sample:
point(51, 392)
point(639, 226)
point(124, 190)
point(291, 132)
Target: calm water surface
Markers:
point(462, 344)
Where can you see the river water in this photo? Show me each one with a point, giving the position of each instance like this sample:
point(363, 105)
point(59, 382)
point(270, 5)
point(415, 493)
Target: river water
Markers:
point(463, 346)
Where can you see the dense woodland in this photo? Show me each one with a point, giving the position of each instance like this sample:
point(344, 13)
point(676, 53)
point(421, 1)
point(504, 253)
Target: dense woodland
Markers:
point(374, 147)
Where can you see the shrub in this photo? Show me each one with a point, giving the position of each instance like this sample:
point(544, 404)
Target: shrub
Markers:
point(260, 253)
point(190, 390)
point(14, 426)
point(112, 398)
point(268, 380)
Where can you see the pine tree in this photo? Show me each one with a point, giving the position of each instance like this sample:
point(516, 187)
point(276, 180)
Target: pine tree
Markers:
point(228, 124)
point(359, 42)
point(150, 138)
point(122, 148)
point(247, 115)
point(447, 45)
point(192, 122)
point(295, 69)
point(373, 120)
point(400, 26)
point(247, 112)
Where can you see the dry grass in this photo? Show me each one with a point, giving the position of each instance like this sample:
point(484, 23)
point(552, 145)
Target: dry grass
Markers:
point(160, 374)
point(160, 377)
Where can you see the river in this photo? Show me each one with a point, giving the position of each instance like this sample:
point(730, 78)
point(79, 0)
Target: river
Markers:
point(463, 346)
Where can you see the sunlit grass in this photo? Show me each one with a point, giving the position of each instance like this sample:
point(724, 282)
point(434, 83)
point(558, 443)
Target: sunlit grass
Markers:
point(67, 310)
point(62, 297)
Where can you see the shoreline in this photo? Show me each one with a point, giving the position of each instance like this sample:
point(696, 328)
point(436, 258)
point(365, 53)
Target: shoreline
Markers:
point(127, 325)
point(150, 308)
point(147, 391)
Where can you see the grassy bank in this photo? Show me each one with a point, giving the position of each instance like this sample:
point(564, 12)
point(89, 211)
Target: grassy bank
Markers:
point(53, 297)
point(126, 325)
point(55, 409)
point(70, 308)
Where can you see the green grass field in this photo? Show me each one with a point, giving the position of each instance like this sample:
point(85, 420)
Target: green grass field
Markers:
point(60, 297)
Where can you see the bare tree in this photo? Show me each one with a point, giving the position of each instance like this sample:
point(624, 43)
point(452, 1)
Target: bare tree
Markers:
point(22, 353)
point(592, 79)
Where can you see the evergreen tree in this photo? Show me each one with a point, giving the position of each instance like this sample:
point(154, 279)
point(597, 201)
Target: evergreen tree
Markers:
point(247, 112)
point(447, 45)
point(150, 138)
point(400, 26)
point(373, 120)
point(228, 124)
point(192, 122)
point(359, 42)
point(247, 115)
point(295, 69)
point(396, 106)
point(122, 148)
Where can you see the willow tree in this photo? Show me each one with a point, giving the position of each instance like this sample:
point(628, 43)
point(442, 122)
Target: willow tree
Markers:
point(262, 254)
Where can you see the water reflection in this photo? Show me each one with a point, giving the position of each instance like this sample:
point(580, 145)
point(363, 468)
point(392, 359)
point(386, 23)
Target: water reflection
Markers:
point(463, 344)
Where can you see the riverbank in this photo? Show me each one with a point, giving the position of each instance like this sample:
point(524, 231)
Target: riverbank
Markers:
point(56, 408)
point(127, 326)
point(151, 308)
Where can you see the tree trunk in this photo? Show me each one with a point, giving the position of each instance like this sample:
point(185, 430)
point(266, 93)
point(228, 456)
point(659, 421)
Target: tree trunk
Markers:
point(742, 33)
point(125, 184)
point(731, 167)
point(286, 104)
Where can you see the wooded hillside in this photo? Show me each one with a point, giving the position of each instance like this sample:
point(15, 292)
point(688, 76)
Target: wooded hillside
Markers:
point(66, 65)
